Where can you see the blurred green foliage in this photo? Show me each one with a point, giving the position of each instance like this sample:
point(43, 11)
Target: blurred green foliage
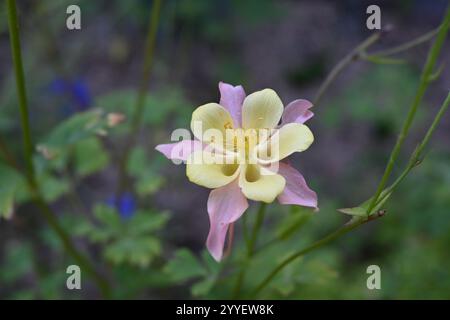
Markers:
point(127, 242)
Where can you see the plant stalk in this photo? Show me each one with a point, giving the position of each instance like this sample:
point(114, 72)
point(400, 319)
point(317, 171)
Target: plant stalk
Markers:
point(20, 84)
point(250, 250)
point(322, 242)
point(423, 85)
point(45, 209)
point(417, 154)
point(136, 120)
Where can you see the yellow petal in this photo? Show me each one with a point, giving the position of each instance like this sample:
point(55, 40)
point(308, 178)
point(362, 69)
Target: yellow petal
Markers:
point(204, 169)
point(258, 186)
point(292, 137)
point(209, 123)
point(261, 109)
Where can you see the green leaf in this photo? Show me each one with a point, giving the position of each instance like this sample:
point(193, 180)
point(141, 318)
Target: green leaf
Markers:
point(97, 235)
point(108, 216)
point(137, 161)
point(361, 211)
point(78, 127)
point(12, 182)
point(126, 242)
point(149, 183)
point(355, 211)
point(139, 252)
point(203, 287)
point(144, 222)
point(184, 266)
point(53, 187)
point(90, 157)
point(17, 262)
point(384, 196)
point(158, 108)
point(143, 170)
point(210, 263)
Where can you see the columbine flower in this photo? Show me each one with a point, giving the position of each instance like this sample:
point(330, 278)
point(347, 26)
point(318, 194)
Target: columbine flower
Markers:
point(246, 163)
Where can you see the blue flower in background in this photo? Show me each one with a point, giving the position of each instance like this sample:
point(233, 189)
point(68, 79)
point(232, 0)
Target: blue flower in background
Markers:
point(81, 94)
point(76, 90)
point(124, 204)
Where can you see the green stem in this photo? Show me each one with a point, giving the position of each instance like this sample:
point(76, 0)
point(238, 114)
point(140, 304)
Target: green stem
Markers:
point(250, 250)
point(148, 61)
point(344, 230)
point(46, 211)
point(136, 120)
point(415, 157)
point(324, 241)
point(376, 57)
point(69, 247)
point(433, 126)
point(411, 164)
point(423, 84)
point(256, 228)
point(245, 228)
point(336, 234)
point(20, 83)
point(354, 54)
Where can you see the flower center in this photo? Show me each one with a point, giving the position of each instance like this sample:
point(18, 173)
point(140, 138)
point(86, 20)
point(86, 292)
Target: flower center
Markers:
point(244, 141)
point(228, 125)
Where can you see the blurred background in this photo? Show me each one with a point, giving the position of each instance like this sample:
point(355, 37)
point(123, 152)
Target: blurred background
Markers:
point(150, 240)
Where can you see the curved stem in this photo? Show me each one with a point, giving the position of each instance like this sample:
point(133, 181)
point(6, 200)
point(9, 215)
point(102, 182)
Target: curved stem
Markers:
point(415, 157)
point(46, 211)
point(338, 233)
point(250, 250)
point(136, 120)
point(425, 78)
point(375, 57)
point(407, 45)
point(69, 247)
point(423, 84)
point(324, 241)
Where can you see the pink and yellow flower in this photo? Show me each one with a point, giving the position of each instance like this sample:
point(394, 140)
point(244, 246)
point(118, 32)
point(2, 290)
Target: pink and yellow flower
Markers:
point(241, 144)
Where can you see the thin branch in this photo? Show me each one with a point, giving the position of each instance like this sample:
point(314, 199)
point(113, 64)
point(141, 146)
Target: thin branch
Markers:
point(424, 82)
point(417, 154)
point(322, 242)
point(425, 79)
point(37, 197)
point(136, 120)
point(250, 250)
point(381, 56)
point(407, 45)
